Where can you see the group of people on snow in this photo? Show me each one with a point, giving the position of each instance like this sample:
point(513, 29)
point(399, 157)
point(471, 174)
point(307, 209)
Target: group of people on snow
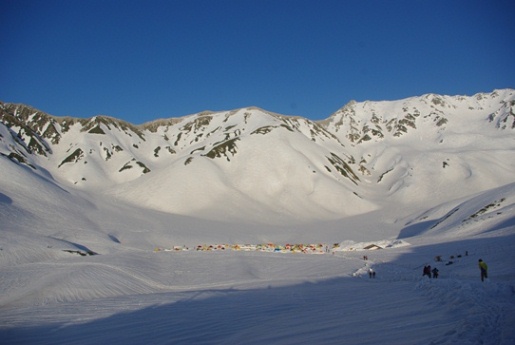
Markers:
point(428, 271)
point(483, 267)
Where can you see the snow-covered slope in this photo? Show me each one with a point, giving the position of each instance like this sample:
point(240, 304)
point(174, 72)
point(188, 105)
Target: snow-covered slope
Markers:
point(130, 293)
point(431, 146)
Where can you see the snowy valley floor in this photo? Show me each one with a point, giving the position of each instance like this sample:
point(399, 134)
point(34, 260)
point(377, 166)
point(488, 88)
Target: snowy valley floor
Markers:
point(228, 297)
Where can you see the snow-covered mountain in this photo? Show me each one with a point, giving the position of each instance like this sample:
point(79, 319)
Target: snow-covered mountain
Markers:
point(253, 165)
point(420, 178)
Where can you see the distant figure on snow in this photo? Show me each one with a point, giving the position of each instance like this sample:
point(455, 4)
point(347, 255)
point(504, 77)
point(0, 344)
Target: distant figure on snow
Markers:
point(435, 272)
point(484, 270)
point(427, 271)
point(371, 273)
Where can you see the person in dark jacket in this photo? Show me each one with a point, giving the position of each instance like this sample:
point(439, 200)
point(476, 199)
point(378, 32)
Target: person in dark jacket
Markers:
point(427, 271)
point(435, 272)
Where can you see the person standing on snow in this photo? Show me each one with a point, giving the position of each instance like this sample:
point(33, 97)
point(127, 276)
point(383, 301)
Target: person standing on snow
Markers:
point(435, 272)
point(484, 269)
point(426, 271)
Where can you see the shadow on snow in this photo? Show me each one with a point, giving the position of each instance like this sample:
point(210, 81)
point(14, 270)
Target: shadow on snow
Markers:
point(398, 307)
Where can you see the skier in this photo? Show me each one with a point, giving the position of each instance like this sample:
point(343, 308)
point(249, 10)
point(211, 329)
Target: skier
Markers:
point(484, 269)
point(435, 273)
point(371, 273)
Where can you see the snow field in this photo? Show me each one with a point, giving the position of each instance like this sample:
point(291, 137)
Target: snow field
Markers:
point(235, 297)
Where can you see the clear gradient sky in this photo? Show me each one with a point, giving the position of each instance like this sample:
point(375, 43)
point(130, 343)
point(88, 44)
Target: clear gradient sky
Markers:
point(149, 59)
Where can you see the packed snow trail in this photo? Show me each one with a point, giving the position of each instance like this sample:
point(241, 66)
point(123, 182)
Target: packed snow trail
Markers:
point(321, 312)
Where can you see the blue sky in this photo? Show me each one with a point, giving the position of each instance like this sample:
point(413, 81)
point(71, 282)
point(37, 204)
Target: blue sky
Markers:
point(144, 60)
